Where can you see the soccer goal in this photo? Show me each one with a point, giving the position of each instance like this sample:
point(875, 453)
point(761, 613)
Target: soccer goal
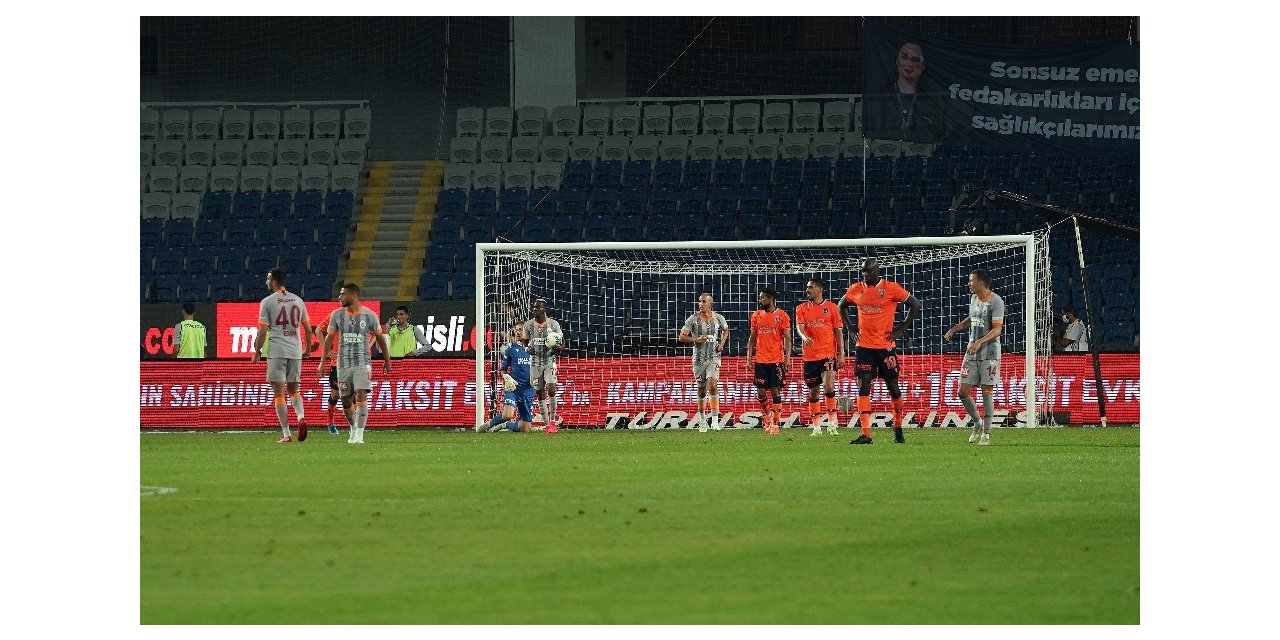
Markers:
point(622, 304)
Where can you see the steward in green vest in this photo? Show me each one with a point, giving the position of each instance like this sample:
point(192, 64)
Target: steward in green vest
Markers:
point(189, 339)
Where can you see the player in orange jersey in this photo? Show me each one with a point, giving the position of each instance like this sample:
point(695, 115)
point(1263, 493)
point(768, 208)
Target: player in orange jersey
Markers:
point(822, 335)
point(875, 335)
point(769, 356)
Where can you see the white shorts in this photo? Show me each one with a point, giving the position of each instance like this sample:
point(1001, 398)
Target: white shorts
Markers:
point(284, 369)
point(984, 373)
point(544, 375)
point(352, 379)
point(708, 369)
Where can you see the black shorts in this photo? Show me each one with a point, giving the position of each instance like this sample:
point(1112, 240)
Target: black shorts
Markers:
point(877, 363)
point(813, 370)
point(769, 376)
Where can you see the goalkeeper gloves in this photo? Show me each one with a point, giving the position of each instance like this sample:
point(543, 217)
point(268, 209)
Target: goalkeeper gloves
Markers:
point(508, 382)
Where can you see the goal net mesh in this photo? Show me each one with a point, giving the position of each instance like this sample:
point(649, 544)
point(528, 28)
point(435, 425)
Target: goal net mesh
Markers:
point(622, 309)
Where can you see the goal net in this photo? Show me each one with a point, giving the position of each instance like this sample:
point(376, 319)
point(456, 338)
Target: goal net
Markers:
point(621, 306)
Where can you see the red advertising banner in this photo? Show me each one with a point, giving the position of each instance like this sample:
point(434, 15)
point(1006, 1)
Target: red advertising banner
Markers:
point(237, 325)
point(621, 393)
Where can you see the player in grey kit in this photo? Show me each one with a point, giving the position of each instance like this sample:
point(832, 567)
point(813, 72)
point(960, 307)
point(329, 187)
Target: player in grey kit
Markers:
point(352, 325)
point(981, 363)
point(281, 315)
point(707, 331)
point(543, 372)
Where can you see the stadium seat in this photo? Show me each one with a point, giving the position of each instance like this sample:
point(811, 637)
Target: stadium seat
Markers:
point(795, 145)
point(321, 151)
point(276, 204)
point(697, 172)
point(735, 146)
point(263, 259)
point(656, 120)
point(291, 152)
point(326, 124)
point(239, 236)
point(826, 144)
point(595, 120)
point(776, 117)
point(464, 149)
point(643, 148)
point(531, 121)
point(216, 205)
point(147, 152)
point(765, 146)
point(494, 148)
point(487, 175)
point(585, 147)
point(144, 173)
point(517, 175)
point(547, 173)
point(314, 176)
point(235, 124)
point(344, 177)
point(224, 177)
point(554, 149)
point(309, 202)
point(175, 123)
point(470, 121)
point(228, 152)
point(805, 116)
point(293, 260)
point(164, 178)
point(295, 123)
point(178, 232)
point(673, 147)
point(728, 171)
point(266, 123)
point(685, 119)
point(704, 147)
point(200, 260)
point(637, 173)
point(185, 205)
point(525, 148)
point(667, 173)
point(339, 204)
point(198, 152)
point(168, 152)
point(254, 178)
point(170, 261)
point(837, 116)
point(756, 171)
point(224, 288)
point(149, 124)
point(208, 233)
point(746, 118)
point(626, 120)
point(194, 177)
point(715, 118)
point(568, 227)
point(886, 148)
point(498, 121)
point(270, 231)
point(513, 201)
point(615, 148)
point(351, 151)
point(331, 232)
point(606, 173)
point(247, 204)
point(260, 152)
point(566, 120)
point(852, 145)
point(356, 122)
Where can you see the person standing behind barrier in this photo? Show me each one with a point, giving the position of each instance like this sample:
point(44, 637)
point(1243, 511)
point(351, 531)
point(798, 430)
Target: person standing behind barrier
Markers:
point(189, 337)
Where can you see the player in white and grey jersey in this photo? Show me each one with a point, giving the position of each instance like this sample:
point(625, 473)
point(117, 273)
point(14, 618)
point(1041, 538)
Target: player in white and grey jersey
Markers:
point(542, 372)
point(282, 315)
point(707, 331)
point(351, 327)
point(981, 363)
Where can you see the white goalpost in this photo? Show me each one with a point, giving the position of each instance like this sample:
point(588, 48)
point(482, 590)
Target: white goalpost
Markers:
point(622, 304)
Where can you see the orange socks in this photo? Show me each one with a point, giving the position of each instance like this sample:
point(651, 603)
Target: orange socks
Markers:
point(864, 414)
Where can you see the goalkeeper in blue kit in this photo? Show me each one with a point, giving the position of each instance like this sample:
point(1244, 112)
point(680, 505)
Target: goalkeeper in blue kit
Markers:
point(517, 402)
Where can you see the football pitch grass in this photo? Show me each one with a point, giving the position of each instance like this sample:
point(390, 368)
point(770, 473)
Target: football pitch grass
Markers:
point(641, 527)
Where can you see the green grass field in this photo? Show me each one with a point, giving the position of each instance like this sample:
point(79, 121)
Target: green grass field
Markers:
point(608, 527)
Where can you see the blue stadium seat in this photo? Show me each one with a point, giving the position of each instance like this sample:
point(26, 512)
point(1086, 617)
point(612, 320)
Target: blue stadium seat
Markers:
point(577, 173)
point(607, 173)
point(634, 200)
point(463, 290)
point(813, 194)
point(151, 232)
point(433, 286)
point(667, 173)
point(784, 227)
point(721, 226)
point(784, 197)
point(215, 205)
point(331, 232)
point(338, 204)
point(727, 172)
point(224, 288)
point(847, 168)
point(230, 261)
point(170, 261)
point(817, 170)
point(627, 227)
point(208, 233)
point(568, 227)
point(636, 173)
point(756, 171)
point(319, 287)
point(513, 201)
point(697, 173)
point(294, 260)
point(277, 204)
point(477, 229)
point(598, 228)
point(788, 171)
point(247, 205)
point(815, 224)
point(200, 261)
point(482, 202)
point(724, 198)
point(544, 202)
point(178, 232)
point(880, 225)
point(308, 204)
point(573, 200)
point(604, 199)
point(262, 260)
point(660, 227)
point(878, 170)
point(325, 262)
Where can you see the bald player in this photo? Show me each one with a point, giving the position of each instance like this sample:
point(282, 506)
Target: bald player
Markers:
point(282, 314)
point(875, 336)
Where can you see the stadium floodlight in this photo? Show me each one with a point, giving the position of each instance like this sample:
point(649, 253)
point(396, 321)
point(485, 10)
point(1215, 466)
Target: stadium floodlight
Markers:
point(621, 305)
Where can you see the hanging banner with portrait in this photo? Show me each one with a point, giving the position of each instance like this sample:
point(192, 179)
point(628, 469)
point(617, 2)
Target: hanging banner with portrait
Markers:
point(1061, 98)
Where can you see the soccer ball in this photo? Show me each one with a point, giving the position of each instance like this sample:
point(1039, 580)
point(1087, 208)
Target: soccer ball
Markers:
point(553, 339)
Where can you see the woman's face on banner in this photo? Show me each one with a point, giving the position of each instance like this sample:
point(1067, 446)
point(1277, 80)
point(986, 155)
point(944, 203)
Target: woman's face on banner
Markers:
point(910, 61)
